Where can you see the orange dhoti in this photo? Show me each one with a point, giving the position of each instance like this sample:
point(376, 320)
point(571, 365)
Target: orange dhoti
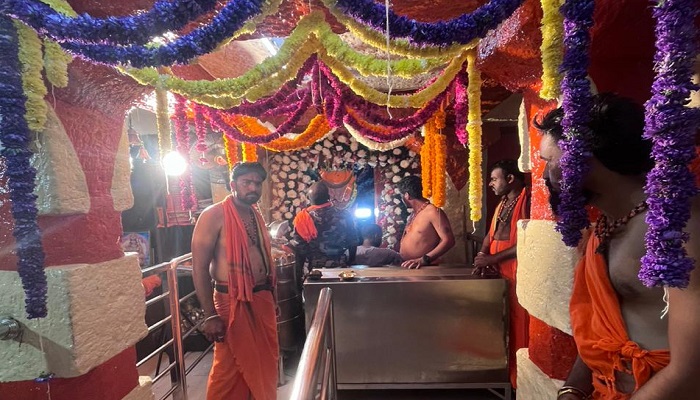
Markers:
point(518, 332)
point(245, 363)
point(600, 332)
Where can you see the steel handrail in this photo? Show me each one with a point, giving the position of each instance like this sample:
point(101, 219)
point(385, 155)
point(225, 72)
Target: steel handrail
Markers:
point(318, 356)
point(174, 301)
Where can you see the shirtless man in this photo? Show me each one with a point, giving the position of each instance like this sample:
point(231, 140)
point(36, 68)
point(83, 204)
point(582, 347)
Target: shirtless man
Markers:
point(231, 246)
point(617, 323)
point(428, 234)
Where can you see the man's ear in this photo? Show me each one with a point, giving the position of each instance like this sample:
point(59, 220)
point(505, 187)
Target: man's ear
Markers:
point(510, 178)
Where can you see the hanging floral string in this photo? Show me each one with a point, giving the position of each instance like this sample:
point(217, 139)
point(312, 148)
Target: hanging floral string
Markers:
point(461, 106)
point(200, 41)
point(163, 122)
point(462, 29)
point(577, 101)
point(30, 59)
point(231, 149)
point(372, 145)
point(182, 134)
point(56, 62)
point(166, 15)
point(427, 157)
point(672, 128)
point(15, 137)
point(474, 134)
point(440, 159)
point(250, 152)
point(401, 47)
point(552, 48)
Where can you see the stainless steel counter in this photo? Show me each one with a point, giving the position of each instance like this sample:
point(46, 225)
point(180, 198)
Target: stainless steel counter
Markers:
point(432, 327)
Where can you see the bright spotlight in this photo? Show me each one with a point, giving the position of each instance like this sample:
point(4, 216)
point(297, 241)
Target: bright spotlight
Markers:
point(174, 164)
point(363, 213)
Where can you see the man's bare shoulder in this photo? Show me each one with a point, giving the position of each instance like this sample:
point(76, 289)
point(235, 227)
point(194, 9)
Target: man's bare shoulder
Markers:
point(212, 215)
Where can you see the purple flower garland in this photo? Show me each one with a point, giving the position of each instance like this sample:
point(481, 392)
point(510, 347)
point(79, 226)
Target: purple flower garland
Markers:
point(671, 126)
point(15, 137)
point(200, 41)
point(577, 103)
point(461, 106)
point(462, 29)
point(166, 15)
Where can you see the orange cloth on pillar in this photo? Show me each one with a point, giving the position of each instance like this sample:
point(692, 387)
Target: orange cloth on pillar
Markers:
point(304, 223)
point(518, 333)
point(245, 363)
point(600, 332)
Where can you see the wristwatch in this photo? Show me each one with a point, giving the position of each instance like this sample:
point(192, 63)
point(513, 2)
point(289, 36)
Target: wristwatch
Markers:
point(426, 260)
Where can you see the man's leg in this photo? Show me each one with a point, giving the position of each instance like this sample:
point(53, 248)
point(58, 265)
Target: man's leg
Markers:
point(225, 379)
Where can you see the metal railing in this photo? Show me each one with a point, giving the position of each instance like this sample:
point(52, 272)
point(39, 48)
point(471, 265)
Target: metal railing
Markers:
point(178, 386)
point(316, 374)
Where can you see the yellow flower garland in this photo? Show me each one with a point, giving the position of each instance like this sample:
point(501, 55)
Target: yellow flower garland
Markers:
point(31, 65)
point(61, 6)
point(250, 152)
point(56, 62)
point(312, 35)
point(231, 149)
point(440, 157)
point(163, 122)
point(400, 47)
point(371, 144)
point(416, 100)
point(474, 134)
point(552, 48)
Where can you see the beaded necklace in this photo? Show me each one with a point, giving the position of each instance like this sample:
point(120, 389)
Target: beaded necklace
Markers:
point(413, 217)
point(507, 209)
point(604, 229)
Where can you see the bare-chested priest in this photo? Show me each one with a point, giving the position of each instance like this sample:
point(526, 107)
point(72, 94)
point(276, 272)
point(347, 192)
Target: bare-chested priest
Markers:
point(428, 234)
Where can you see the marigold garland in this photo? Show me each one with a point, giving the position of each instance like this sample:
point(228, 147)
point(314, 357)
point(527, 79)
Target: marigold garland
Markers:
point(30, 59)
point(474, 134)
point(440, 159)
point(317, 129)
point(163, 122)
point(552, 48)
point(231, 149)
point(56, 62)
point(250, 152)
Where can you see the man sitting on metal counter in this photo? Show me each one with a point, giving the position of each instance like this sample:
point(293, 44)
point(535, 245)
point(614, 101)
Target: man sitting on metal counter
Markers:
point(428, 233)
point(369, 253)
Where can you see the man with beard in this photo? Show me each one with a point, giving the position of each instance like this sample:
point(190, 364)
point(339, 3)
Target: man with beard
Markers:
point(369, 252)
point(622, 334)
point(231, 246)
point(428, 233)
point(499, 249)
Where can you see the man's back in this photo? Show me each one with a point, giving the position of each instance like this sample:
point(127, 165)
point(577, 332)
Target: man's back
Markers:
point(336, 234)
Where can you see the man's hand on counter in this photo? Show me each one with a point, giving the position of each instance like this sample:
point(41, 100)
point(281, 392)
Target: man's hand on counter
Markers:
point(412, 264)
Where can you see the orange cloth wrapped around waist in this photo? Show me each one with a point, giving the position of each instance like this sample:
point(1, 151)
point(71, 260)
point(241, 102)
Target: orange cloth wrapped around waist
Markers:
point(519, 318)
point(600, 332)
point(304, 224)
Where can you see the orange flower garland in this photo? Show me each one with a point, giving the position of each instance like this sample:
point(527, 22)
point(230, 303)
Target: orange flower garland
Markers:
point(440, 157)
point(231, 148)
point(426, 158)
point(250, 152)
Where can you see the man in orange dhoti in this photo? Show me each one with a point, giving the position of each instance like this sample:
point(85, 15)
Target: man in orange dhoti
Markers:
point(231, 246)
point(621, 330)
point(499, 248)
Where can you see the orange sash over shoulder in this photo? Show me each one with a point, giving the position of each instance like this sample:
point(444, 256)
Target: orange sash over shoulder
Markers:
point(600, 332)
point(240, 274)
point(519, 318)
point(245, 363)
point(304, 224)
